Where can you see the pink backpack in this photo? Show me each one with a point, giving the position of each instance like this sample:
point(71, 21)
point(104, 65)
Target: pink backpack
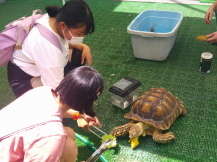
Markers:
point(14, 34)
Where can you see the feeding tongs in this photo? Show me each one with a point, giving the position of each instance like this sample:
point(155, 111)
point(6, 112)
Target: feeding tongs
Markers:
point(108, 141)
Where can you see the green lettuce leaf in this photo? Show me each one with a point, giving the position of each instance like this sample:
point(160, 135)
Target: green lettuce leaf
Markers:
point(113, 142)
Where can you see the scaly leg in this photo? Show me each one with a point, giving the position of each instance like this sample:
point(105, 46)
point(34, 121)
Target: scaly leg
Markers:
point(160, 137)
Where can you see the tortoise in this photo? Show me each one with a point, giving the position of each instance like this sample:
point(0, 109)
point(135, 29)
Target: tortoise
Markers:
point(152, 113)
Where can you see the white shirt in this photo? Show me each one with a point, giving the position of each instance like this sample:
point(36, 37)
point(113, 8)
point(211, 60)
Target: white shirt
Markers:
point(39, 57)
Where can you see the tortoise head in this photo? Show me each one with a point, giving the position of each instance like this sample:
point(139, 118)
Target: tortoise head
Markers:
point(136, 130)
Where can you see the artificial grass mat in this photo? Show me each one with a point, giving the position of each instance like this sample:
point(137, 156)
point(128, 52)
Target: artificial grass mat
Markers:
point(179, 73)
point(207, 1)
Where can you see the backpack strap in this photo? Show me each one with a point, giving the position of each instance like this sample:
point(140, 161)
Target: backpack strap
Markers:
point(34, 16)
point(22, 26)
point(50, 36)
point(45, 32)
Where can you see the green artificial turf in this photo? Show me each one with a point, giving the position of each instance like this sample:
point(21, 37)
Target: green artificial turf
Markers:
point(207, 1)
point(179, 73)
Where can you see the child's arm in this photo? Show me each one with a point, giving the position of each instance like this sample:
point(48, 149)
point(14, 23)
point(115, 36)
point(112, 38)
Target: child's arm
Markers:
point(83, 120)
point(72, 114)
point(88, 121)
point(86, 52)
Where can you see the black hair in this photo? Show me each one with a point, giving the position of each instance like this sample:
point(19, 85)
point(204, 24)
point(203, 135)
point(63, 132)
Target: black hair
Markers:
point(75, 14)
point(80, 88)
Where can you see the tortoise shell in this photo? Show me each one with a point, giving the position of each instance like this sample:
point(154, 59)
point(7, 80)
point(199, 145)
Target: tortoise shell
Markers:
point(157, 107)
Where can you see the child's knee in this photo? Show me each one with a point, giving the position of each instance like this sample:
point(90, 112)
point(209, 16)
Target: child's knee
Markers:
point(70, 151)
point(70, 132)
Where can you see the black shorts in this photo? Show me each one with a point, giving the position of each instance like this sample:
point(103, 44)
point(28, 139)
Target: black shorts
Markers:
point(18, 79)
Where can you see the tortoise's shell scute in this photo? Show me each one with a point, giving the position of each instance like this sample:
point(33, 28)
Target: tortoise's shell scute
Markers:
point(156, 107)
point(145, 109)
point(159, 113)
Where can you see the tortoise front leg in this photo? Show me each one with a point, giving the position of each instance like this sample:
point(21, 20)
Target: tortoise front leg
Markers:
point(160, 137)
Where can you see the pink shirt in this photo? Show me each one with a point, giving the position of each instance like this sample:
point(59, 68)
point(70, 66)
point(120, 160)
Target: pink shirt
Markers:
point(26, 131)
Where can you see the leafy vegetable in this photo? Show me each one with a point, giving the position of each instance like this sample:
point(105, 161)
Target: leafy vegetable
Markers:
point(113, 142)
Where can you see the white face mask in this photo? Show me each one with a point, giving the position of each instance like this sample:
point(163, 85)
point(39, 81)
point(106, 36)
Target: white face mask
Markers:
point(74, 40)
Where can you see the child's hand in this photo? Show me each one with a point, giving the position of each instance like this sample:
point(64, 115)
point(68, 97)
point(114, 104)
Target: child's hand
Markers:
point(83, 124)
point(87, 121)
point(94, 121)
point(86, 55)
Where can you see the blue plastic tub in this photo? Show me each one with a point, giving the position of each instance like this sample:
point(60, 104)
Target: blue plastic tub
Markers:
point(153, 33)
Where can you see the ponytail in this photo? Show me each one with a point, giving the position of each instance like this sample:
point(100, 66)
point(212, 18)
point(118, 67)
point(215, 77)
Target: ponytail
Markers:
point(52, 10)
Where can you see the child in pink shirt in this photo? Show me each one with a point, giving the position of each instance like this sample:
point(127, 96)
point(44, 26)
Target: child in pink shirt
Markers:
point(31, 127)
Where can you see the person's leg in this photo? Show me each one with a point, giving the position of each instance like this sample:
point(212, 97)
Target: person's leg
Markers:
point(36, 82)
point(76, 58)
point(18, 80)
point(74, 61)
point(70, 150)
